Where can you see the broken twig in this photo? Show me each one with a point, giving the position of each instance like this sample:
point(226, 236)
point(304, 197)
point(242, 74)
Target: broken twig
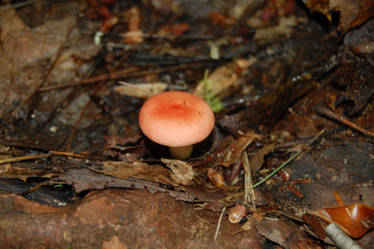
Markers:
point(23, 158)
point(330, 114)
point(45, 155)
point(219, 223)
point(249, 195)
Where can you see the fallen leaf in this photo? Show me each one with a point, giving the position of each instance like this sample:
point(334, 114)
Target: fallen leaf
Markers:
point(352, 12)
point(143, 90)
point(183, 172)
point(139, 170)
point(286, 234)
point(237, 213)
point(234, 151)
point(355, 219)
point(220, 81)
point(216, 178)
point(257, 159)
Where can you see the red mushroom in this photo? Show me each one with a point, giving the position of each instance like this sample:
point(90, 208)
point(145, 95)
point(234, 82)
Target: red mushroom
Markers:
point(176, 119)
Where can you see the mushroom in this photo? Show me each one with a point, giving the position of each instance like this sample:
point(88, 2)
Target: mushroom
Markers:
point(176, 119)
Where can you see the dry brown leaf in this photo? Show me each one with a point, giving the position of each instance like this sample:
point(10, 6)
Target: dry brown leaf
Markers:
point(11, 171)
point(222, 79)
point(352, 12)
point(234, 152)
point(140, 170)
point(216, 178)
point(237, 213)
point(286, 234)
point(144, 90)
point(257, 159)
point(26, 55)
point(182, 172)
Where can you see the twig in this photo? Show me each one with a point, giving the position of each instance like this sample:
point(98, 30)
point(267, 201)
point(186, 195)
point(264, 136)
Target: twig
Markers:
point(248, 196)
point(131, 72)
point(19, 5)
point(45, 155)
point(219, 223)
point(340, 238)
point(103, 77)
point(63, 153)
point(330, 114)
point(24, 158)
point(169, 37)
point(36, 187)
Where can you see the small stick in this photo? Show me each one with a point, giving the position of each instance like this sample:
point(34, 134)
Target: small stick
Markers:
point(94, 79)
point(32, 189)
point(131, 72)
point(18, 5)
point(249, 195)
point(330, 114)
point(340, 238)
point(63, 153)
point(46, 155)
point(219, 223)
point(169, 37)
point(23, 158)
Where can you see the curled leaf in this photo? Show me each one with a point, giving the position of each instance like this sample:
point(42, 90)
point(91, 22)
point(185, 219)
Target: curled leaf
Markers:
point(216, 178)
point(355, 220)
point(237, 213)
point(182, 172)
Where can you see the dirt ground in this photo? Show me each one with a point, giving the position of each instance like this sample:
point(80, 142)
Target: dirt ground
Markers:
point(291, 85)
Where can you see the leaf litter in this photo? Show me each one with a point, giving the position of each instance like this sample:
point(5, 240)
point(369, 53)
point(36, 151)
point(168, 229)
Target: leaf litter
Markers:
point(273, 69)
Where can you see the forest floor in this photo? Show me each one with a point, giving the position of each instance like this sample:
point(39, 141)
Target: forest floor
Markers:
point(291, 84)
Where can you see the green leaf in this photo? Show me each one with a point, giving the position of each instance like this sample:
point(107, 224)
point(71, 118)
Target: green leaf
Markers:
point(213, 101)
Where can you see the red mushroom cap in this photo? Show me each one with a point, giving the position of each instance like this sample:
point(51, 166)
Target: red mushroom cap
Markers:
point(176, 119)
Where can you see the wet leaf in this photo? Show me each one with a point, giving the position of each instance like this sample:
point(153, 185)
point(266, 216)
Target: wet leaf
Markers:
point(355, 219)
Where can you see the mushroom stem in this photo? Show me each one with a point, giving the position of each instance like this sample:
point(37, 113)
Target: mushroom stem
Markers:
point(182, 152)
